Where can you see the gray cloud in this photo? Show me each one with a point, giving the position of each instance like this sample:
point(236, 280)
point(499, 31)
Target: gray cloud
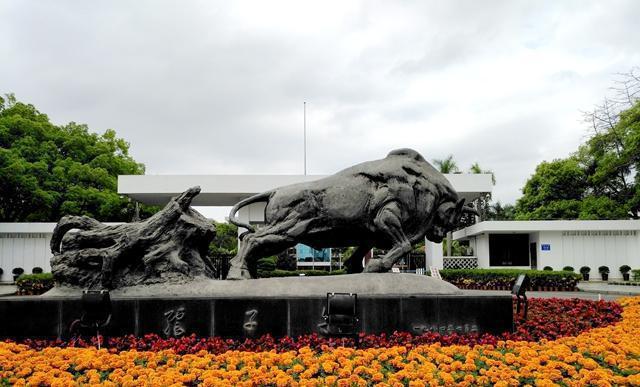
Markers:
point(217, 87)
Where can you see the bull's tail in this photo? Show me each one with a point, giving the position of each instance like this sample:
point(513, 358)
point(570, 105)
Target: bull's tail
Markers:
point(261, 197)
point(68, 223)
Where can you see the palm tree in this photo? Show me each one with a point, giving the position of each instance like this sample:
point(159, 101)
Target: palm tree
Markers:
point(447, 165)
point(475, 168)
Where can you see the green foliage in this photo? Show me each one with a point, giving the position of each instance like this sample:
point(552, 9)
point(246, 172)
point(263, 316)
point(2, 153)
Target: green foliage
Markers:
point(625, 269)
point(601, 207)
point(496, 278)
point(612, 157)
point(48, 171)
point(568, 268)
point(636, 274)
point(603, 270)
point(226, 240)
point(554, 191)
point(457, 249)
point(266, 265)
point(34, 284)
point(585, 270)
point(600, 181)
point(296, 273)
point(547, 268)
point(498, 211)
point(447, 165)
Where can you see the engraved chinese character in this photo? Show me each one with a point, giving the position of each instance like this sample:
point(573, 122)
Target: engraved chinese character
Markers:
point(174, 326)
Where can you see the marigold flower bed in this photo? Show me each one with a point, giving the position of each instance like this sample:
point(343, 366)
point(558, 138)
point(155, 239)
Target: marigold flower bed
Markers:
point(601, 356)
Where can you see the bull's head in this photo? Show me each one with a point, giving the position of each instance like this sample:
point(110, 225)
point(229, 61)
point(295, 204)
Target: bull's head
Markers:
point(446, 218)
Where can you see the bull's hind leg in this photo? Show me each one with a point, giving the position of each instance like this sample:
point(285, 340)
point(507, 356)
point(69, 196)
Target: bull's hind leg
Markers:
point(354, 263)
point(256, 246)
point(263, 243)
point(388, 222)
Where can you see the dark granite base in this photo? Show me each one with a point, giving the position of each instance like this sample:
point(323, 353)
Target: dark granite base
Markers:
point(23, 317)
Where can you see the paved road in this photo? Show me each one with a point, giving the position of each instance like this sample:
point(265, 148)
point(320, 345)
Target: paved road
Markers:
point(591, 291)
point(583, 295)
point(7, 289)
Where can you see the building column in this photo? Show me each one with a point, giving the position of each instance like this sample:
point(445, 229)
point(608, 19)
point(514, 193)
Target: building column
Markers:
point(433, 254)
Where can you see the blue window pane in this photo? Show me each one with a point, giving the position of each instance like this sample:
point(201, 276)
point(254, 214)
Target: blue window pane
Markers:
point(305, 253)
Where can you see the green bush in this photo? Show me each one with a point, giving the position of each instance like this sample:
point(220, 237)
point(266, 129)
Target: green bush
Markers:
point(585, 270)
point(636, 274)
point(266, 265)
point(603, 270)
point(568, 268)
point(547, 268)
point(625, 269)
point(296, 273)
point(34, 284)
point(505, 278)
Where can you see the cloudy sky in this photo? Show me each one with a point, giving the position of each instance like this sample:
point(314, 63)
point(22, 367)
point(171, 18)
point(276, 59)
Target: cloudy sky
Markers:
point(204, 87)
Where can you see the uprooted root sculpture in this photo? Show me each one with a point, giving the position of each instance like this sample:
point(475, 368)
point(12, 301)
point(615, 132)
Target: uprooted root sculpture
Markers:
point(169, 246)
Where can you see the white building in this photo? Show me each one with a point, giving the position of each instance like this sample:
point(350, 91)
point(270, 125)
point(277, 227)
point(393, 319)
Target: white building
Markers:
point(24, 245)
point(554, 243)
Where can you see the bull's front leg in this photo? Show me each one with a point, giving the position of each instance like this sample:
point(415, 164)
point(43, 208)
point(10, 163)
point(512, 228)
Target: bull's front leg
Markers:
point(388, 222)
point(238, 269)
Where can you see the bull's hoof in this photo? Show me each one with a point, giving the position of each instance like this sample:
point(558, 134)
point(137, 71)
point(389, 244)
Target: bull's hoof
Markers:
point(238, 273)
point(375, 266)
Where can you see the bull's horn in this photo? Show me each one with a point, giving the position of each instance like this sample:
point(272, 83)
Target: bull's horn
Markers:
point(470, 210)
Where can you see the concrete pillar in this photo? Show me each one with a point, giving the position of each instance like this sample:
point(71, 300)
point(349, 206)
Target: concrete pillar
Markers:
point(433, 254)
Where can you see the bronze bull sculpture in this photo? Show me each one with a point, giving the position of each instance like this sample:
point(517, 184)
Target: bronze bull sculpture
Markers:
point(392, 203)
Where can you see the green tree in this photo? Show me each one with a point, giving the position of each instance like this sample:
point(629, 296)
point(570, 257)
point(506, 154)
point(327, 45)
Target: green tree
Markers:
point(447, 165)
point(477, 169)
point(554, 191)
point(226, 240)
point(498, 211)
point(612, 159)
point(602, 179)
point(47, 171)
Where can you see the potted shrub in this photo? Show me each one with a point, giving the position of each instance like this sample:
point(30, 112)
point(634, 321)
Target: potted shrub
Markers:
point(604, 272)
point(17, 272)
point(568, 268)
point(37, 270)
point(547, 268)
point(624, 269)
point(584, 270)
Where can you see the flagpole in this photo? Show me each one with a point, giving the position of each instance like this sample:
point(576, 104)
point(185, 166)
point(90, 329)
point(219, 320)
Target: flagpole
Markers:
point(304, 107)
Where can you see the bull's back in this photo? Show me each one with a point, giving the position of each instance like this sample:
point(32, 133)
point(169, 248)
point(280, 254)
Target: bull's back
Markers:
point(335, 199)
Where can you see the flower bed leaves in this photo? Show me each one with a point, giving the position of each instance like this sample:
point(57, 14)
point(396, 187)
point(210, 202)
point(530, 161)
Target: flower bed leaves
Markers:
point(34, 284)
point(505, 278)
point(600, 356)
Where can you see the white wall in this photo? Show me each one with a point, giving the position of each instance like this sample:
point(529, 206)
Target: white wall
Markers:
point(25, 250)
point(433, 254)
point(586, 248)
point(578, 248)
point(482, 250)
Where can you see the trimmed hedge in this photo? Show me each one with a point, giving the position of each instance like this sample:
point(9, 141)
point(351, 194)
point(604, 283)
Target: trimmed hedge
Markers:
point(502, 279)
point(296, 273)
point(34, 284)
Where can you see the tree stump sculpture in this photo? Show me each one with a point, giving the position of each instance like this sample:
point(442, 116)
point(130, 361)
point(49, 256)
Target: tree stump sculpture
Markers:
point(170, 246)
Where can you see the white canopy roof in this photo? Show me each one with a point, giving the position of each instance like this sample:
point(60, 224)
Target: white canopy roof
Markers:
point(227, 190)
point(527, 226)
